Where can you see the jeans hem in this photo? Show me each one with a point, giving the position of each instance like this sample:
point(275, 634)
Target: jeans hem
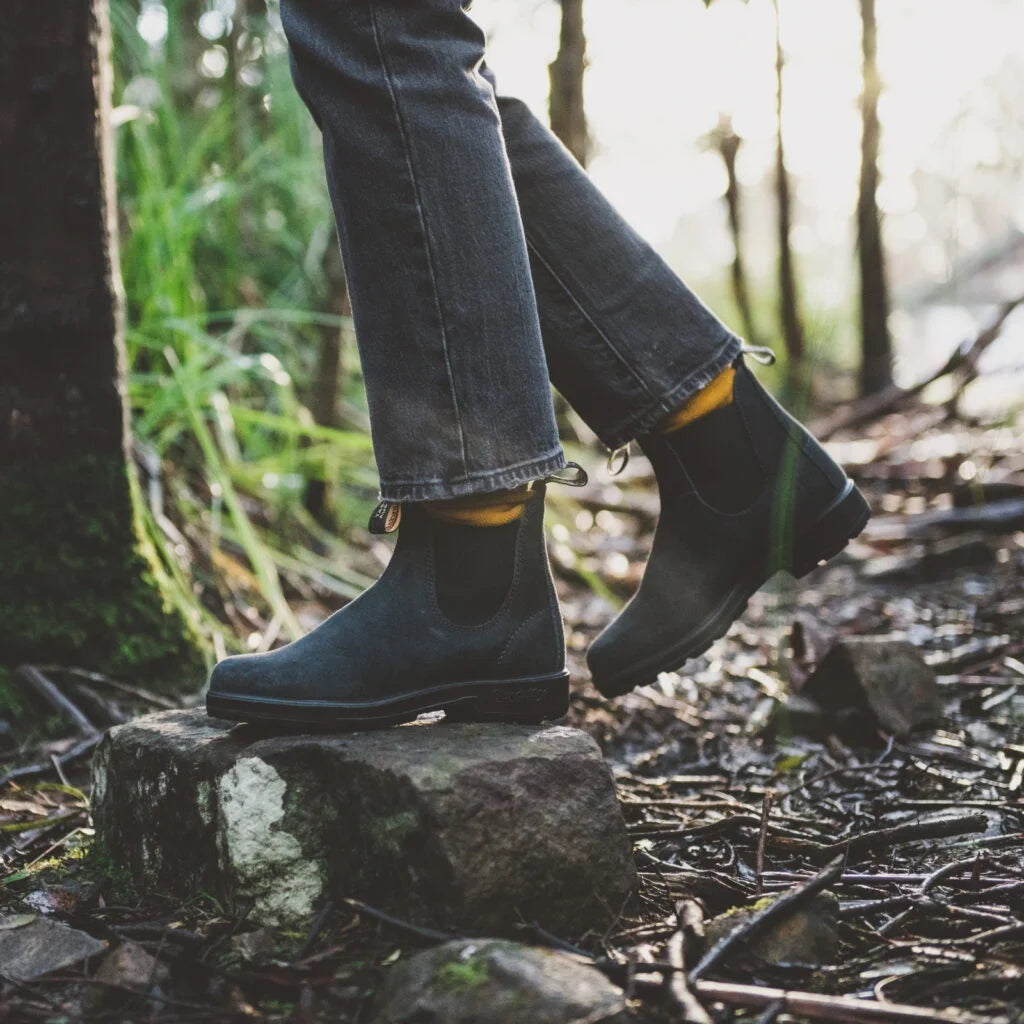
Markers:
point(646, 419)
point(475, 483)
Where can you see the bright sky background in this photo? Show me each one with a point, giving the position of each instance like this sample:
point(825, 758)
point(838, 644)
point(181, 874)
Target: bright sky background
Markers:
point(662, 70)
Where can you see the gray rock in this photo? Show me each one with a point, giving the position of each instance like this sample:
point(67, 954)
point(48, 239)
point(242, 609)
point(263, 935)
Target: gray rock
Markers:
point(884, 675)
point(470, 826)
point(125, 974)
point(807, 937)
point(131, 967)
point(31, 947)
point(489, 981)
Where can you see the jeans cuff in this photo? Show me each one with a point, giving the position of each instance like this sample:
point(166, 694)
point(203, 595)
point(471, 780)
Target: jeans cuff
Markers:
point(650, 416)
point(475, 483)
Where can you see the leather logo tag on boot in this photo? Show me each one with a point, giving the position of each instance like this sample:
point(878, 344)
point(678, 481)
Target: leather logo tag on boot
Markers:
point(386, 517)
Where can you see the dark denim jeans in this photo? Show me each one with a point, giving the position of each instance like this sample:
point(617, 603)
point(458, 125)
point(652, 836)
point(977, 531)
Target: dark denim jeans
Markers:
point(482, 261)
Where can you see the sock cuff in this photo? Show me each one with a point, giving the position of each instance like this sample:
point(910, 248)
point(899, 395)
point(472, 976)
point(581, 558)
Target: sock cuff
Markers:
point(493, 509)
point(715, 394)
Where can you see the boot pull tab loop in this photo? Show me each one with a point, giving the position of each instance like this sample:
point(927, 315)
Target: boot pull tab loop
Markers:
point(386, 517)
point(760, 354)
point(618, 460)
point(575, 476)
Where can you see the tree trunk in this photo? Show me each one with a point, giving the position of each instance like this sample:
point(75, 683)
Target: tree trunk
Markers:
point(565, 105)
point(727, 143)
point(789, 303)
point(876, 347)
point(78, 586)
point(327, 381)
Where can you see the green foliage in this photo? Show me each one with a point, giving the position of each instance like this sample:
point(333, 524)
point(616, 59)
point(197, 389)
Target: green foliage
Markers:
point(226, 238)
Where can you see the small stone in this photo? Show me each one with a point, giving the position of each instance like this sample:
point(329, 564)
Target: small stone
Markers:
point(130, 966)
point(255, 945)
point(885, 675)
point(806, 938)
point(31, 947)
point(468, 981)
point(467, 826)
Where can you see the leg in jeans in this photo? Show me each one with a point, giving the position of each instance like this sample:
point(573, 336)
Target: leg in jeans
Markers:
point(433, 245)
point(442, 279)
point(464, 619)
point(626, 340)
point(745, 490)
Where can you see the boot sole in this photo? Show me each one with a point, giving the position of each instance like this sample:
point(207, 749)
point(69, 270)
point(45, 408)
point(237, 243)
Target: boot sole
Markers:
point(529, 700)
point(843, 520)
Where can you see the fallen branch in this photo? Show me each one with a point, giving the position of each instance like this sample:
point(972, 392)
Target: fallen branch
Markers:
point(775, 911)
point(30, 771)
point(51, 693)
point(939, 828)
point(963, 361)
point(430, 934)
point(97, 677)
point(819, 1007)
point(690, 919)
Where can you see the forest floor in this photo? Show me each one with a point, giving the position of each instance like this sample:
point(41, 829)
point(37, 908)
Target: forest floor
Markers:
point(728, 796)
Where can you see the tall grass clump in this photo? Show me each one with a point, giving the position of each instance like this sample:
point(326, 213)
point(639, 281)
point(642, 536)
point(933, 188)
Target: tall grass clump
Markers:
point(227, 245)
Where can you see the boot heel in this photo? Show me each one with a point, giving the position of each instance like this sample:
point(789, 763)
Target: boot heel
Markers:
point(528, 701)
point(832, 532)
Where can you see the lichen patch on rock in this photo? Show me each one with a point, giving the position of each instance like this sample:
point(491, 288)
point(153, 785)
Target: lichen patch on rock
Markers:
point(268, 861)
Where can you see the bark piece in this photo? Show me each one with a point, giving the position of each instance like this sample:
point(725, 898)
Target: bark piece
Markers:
point(467, 981)
point(469, 826)
point(30, 949)
point(807, 937)
point(882, 674)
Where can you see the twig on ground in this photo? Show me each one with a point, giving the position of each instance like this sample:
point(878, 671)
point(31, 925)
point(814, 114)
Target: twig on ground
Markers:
point(29, 771)
point(819, 1007)
point(677, 991)
point(762, 838)
point(430, 934)
point(113, 684)
point(936, 828)
point(53, 696)
point(963, 363)
point(775, 911)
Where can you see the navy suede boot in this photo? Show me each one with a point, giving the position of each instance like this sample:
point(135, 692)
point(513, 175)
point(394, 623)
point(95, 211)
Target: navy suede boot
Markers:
point(745, 492)
point(463, 620)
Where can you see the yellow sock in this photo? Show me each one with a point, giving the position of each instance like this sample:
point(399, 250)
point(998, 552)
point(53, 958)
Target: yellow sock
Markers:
point(494, 509)
point(713, 395)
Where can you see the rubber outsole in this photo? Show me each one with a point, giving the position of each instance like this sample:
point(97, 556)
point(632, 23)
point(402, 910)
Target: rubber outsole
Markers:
point(529, 701)
point(843, 520)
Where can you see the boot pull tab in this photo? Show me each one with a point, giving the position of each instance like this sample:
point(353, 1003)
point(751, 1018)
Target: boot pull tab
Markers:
point(760, 354)
point(386, 517)
point(574, 476)
point(618, 460)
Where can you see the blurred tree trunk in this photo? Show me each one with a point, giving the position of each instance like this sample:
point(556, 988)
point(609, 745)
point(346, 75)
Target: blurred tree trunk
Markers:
point(327, 379)
point(876, 346)
point(565, 105)
point(727, 143)
point(79, 586)
point(789, 303)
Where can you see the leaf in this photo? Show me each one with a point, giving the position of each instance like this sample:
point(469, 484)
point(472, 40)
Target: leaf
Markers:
point(11, 921)
point(790, 763)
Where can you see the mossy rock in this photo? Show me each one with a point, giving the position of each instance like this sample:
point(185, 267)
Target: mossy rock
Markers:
point(472, 980)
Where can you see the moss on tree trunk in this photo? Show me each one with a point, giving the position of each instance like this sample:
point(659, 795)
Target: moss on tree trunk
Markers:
point(77, 584)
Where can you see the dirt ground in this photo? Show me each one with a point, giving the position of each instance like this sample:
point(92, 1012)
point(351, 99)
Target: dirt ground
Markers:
point(732, 789)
